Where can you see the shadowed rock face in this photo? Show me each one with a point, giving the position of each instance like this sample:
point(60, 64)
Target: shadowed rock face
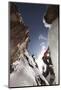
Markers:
point(52, 17)
point(52, 13)
point(18, 30)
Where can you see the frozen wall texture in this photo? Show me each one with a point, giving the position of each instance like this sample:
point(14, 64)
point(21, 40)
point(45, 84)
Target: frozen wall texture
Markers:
point(51, 18)
point(25, 72)
point(53, 44)
point(25, 68)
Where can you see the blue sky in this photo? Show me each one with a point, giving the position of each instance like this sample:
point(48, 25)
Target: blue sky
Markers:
point(33, 17)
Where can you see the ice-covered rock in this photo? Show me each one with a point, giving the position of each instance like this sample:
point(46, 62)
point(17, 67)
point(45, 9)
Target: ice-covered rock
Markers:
point(25, 72)
point(51, 18)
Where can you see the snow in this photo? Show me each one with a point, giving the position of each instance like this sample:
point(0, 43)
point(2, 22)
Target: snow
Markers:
point(39, 60)
point(53, 44)
point(46, 24)
point(23, 74)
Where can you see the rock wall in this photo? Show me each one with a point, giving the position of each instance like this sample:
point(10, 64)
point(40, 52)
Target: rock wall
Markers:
point(18, 30)
point(51, 18)
point(53, 44)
